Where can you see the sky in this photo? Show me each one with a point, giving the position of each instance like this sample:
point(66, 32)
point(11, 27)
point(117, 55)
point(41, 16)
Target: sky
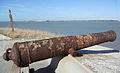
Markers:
point(26, 10)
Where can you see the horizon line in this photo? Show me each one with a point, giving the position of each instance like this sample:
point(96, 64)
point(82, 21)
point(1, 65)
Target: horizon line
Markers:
point(68, 20)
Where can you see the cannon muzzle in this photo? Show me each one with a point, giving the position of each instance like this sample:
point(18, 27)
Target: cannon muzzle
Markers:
point(24, 53)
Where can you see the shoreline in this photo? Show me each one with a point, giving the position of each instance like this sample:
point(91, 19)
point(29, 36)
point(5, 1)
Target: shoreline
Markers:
point(66, 21)
point(75, 21)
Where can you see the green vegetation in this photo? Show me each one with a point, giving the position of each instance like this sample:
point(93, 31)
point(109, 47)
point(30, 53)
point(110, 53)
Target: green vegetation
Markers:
point(25, 33)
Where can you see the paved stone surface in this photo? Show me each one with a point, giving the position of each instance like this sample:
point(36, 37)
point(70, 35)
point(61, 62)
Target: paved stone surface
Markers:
point(2, 37)
point(101, 60)
point(95, 59)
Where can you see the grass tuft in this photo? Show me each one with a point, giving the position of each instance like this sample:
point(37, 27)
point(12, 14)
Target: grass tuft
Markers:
point(26, 33)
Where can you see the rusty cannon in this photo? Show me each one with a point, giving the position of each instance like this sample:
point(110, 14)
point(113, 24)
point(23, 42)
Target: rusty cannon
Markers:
point(25, 53)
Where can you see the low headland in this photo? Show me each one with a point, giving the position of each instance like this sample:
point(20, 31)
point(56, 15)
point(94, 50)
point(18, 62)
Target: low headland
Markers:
point(26, 33)
point(74, 21)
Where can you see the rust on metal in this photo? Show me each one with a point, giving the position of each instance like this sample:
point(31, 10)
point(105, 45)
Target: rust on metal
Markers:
point(24, 53)
point(11, 20)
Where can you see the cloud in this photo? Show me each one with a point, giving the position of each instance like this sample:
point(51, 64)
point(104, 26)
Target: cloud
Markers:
point(4, 6)
point(12, 6)
point(55, 8)
point(17, 5)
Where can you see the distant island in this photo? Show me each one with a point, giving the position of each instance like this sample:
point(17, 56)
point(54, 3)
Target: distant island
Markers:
point(75, 21)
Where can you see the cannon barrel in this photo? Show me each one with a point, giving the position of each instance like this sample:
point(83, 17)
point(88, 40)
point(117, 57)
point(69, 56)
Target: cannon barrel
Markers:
point(24, 53)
